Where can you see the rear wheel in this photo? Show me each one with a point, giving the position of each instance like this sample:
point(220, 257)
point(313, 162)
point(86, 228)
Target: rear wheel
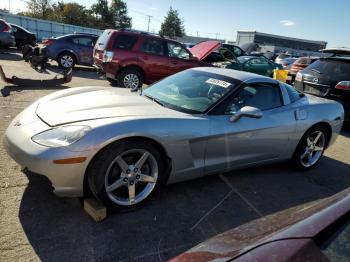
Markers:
point(66, 60)
point(130, 78)
point(310, 148)
point(126, 174)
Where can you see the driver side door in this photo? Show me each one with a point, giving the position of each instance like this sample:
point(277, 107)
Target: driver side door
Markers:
point(249, 140)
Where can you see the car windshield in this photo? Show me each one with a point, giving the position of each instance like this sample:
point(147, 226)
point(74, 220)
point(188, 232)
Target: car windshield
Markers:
point(191, 91)
point(243, 59)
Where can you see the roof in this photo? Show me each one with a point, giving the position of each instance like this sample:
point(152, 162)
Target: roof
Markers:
point(240, 75)
point(282, 37)
point(337, 51)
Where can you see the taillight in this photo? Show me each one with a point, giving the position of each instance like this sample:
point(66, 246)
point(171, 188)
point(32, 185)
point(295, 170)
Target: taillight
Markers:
point(7, 28)
point(48, 42)
point(299, 77)
point(107, 56)
point(343, 85)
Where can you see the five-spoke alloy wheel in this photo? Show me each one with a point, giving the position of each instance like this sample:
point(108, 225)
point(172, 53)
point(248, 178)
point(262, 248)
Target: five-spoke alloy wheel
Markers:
point(131, 177)
point(125, 174)
point(310, 148)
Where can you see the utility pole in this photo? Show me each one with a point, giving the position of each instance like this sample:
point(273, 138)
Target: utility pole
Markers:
point(149, 22)
point(9, 6)
point(216, 35)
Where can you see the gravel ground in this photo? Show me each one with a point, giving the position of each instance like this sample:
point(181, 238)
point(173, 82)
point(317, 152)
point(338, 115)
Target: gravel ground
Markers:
point(36, 225)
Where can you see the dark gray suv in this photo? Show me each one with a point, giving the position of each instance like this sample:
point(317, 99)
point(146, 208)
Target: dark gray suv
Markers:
point(6, 37)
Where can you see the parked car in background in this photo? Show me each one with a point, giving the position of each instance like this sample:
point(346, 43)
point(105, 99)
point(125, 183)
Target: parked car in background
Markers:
point(236, 50)
point(255, 64)
point(130, 58)
point(6, 37)
point(328, 77)
point(287, 62)
point(125, 146)
point(23, 36)
point(318, 231)
point(281, 56)
point(300, 64)
point(71, 49)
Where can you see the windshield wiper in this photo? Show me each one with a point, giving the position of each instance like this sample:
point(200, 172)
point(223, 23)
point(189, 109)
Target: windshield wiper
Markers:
point(155, 100)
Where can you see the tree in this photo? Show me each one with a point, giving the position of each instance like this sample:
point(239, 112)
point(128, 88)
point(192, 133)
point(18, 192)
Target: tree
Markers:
point(119, 11)
point(172, 25)
point(38, 8)
point(103, 15)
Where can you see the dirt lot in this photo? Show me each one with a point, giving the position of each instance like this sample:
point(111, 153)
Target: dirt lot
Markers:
point(36, 225)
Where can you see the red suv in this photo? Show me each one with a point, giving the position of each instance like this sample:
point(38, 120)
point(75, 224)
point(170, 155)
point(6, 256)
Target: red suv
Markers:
point(131, 58)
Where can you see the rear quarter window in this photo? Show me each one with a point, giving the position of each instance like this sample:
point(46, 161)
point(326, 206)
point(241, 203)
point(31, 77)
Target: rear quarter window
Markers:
point(102, 40)
point(293, 94)
point(125, 42)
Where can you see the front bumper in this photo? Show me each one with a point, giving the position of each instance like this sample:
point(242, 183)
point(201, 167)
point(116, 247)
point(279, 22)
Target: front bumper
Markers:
point(67, 179)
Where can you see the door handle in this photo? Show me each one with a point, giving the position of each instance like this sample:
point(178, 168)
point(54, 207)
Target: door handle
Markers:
point(145, 57)
point(174, 62)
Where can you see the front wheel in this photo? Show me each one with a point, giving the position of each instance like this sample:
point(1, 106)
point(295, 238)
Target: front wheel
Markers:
point(126, 174)
point(130, 78)
point(310, 148)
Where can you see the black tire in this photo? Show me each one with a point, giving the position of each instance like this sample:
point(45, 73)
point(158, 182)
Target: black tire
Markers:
point(133, 74)
point(102, 167)
point(66, 60)
point(301, 149)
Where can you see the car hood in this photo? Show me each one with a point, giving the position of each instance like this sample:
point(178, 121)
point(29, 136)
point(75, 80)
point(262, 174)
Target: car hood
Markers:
point(303, 221)
point(203, 49)
point(90, 103)
point(249, 47)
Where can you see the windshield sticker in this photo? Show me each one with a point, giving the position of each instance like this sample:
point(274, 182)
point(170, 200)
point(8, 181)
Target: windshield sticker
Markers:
point(218, 82)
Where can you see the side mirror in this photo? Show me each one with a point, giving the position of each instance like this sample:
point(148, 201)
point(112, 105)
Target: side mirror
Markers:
point(247, 111)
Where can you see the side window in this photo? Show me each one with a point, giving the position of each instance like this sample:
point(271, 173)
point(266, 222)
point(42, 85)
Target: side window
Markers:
point(14, 29)
point(177, 51)
point(85, 41)
point(153, 46)
point(262, 96)
point(258, 61)
point(237, 51)
point(293, 94)
point(125, 42)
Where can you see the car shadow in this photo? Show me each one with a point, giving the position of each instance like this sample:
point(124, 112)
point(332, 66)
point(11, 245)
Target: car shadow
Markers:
point(177, 218)
point(78, 71)
point(10, 56)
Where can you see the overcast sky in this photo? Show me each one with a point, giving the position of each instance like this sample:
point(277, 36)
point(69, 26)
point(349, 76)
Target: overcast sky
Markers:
point(314, 20)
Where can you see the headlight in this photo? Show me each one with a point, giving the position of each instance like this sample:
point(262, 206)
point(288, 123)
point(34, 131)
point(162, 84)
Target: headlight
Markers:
point(61, 136)
point(299, 77)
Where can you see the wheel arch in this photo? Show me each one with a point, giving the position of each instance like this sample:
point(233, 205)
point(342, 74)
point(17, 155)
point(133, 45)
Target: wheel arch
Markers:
point(133, 66)
point(68, 51)
point(326, 126)
point(153, 142)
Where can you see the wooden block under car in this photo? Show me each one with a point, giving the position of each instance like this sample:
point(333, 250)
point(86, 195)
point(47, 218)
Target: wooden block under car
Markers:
point(95, 209)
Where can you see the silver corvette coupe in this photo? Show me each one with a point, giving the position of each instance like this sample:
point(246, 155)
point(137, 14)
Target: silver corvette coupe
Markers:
point(123, 146)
